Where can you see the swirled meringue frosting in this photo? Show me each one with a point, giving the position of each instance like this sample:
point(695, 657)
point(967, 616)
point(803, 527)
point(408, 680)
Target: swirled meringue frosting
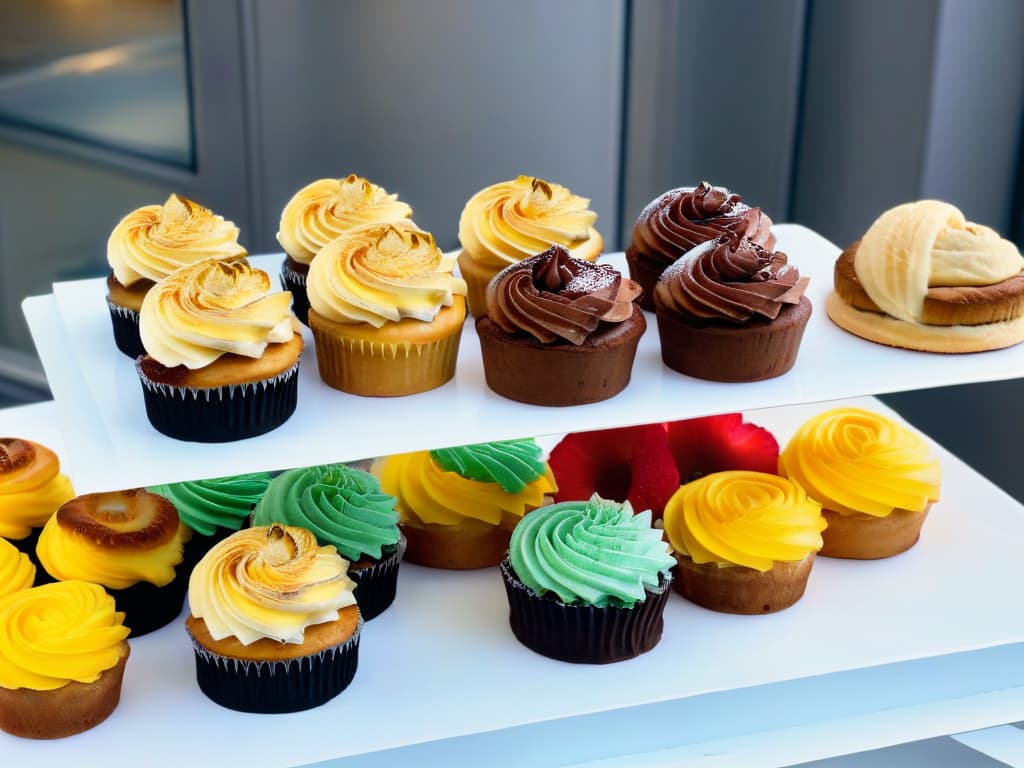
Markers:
point(730, 279)
point(220, 502)
point(683, 218)
point(327, 208)
point(58, 633)
point(153, 241)
point(856, 461)
point(341, 505)
point(553, 297)
point(381, 273)
point(595, 552)
point(31, 486)
point(492, 483)
point(269, 582)
point(512, 220)
point(16, 571)
point(743, 518)
point(211, 308)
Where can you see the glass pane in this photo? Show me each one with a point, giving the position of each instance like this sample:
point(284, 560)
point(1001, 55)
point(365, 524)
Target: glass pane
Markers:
point(104, 72)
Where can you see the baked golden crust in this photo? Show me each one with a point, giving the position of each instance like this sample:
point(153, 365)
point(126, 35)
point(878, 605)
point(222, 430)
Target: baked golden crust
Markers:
point(737, 589)
point(471, 544)
point(121, 520)
point(316, 638)
point(128, 296)
point(866, 537)
point(958, 305)
point(229, 369)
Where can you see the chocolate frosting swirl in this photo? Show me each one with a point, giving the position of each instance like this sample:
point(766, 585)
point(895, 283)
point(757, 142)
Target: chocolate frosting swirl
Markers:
point(554, 296)
point(683, 218)
point(730, 279)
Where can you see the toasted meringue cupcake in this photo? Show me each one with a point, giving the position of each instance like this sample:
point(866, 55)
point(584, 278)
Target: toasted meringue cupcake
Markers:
point(514, 220)
point(321, 211)
point(150, 243)
point(274, 622)
point(130, 542)
point(385, 311)
point(222, 354)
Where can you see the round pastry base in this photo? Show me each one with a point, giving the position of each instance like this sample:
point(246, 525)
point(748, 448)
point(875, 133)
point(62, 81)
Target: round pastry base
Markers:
point(754, 351)
point(293, 278)
point(64, 711)
point(456, 547)
point(646, 272)
point(737, 589)
point(519, 367)
point(866, 537)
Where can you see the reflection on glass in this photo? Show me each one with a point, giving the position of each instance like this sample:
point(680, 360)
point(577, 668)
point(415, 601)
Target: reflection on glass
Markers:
point(100, 71)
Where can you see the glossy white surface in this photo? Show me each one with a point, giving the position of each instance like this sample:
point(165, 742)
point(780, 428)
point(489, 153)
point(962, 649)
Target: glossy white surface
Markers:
point(111, 443)
point(442, 663)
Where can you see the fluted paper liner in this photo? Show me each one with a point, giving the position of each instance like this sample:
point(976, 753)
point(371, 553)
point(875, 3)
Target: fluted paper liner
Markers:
point(295, 281)
point(584, 634)
point(125, 323)
point(377, 584)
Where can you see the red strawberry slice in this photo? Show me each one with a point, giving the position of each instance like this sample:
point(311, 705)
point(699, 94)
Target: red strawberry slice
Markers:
point(654, 474)
point(587, 462)
point(716, 443)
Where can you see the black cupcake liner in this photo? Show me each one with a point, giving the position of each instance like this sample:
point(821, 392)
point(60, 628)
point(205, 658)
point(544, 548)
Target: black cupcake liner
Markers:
point(125, 323)
point(377, 584)
point(274, 687)
point(220, 414)
point(296, 283)
point(584, 634)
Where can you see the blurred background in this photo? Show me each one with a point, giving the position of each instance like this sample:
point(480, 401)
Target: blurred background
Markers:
point(823, 112)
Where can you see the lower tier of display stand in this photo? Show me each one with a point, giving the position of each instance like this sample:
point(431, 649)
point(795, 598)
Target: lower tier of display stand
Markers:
point(927, 643)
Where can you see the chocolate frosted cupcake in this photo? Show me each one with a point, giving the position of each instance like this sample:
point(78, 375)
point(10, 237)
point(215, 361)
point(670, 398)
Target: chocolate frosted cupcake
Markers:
point(343, 507)
point(321, 211)
point(150, 243)
point(682, 219)
point(222, 356)
point(587, 581)
point(273, 623)
point(729, 310)
point(130, 542)
point(559, 330)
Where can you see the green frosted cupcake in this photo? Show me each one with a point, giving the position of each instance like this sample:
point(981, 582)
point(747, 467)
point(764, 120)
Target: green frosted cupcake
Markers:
point(344, 507)
point(587, 581)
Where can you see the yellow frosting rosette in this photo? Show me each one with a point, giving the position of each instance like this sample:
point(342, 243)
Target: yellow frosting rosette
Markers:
point(743, 518)
point(327, 208)
point(16, 571)
point(856, 461)
point(31, 486)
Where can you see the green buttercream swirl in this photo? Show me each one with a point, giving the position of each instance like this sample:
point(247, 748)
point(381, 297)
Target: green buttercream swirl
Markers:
point(594, 552)
point(222, 502)
point(340, 505)
point(512, 464)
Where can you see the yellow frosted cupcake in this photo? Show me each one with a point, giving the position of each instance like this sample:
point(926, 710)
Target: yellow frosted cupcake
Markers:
point(513, 220)
point(322, 211)
point(16, 571)
point(150, 243)
point(459, 505)
point(875, 479)
point(744, 541)
point(222, 355)
point(385, 311)
point(62, 658)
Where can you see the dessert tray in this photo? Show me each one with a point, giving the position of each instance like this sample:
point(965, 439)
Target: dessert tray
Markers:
point(111, 443)
point(871, 647)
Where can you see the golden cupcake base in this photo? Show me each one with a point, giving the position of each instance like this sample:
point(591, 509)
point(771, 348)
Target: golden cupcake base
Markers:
point(737, 589)
point(468, 546)
point(866, 537)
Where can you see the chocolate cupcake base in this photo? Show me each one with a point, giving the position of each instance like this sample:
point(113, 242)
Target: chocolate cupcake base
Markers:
point(377, 581)
point(645, 271)
point(719, 351)
point(519, 367)
point(293, 278)
point(583, 634)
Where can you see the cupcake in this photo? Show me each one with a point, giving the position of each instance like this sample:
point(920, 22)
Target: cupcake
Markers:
point(62, 658)
point(130, 542)
point(273, 621)
point(386, 312)
point(513, 220)
point(680, 220)
point(744, 541)
point(31, 489)
point(459, 505)
point(17, 572)
point(925, 278)
point(875, 479)
point(559, 330)
point(344, 508)
point(150, 243)
point(213, 509)
point(222, 355)
point(729, 310)
point(587, 581)
point(322, 211)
